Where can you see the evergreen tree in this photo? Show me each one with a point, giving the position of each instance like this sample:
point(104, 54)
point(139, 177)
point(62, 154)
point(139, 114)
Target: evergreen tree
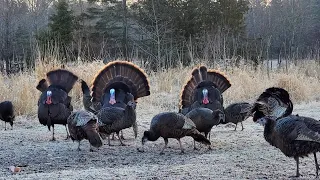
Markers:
point(61, 24)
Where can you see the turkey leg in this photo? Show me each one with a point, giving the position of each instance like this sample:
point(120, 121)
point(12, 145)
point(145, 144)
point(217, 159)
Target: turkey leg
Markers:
point(194, 145)
point(5, 126)
point(53, 138)
point(122, 144)
point(297, 162)
point(79, 146)
point(182, 150)
point(165, 145)
point(242, 126)
point(122, 135)
point(67, 133)
point(113, 137)
point(317, 165)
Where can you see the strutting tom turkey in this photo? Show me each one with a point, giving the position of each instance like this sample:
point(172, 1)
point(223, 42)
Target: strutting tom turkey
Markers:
point(113, 86)
point(296, 136)
point(54, 105)
point(203, 89)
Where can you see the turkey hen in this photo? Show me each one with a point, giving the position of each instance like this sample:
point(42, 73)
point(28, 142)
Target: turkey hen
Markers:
point(7, 113)
point(114, 119)
point(112, 84)
point(84, 125)
point(295, 136)
point(274, 102)
point(172, 125)
point(203, 89)
point(237, 112)
point(205, 119)
point(54, 105)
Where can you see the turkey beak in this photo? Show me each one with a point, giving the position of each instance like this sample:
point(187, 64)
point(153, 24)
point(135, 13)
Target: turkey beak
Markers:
point(144, 139)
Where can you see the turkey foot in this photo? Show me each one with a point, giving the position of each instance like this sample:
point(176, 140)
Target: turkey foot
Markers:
point(53, 139)
point(182, 152)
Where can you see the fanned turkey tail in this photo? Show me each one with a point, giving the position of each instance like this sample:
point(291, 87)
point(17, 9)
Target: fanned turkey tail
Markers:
point(120, 75)
point(62, 78)
point(201, 77)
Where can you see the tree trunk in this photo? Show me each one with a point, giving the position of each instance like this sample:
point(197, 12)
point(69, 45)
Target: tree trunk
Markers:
point(125, 31)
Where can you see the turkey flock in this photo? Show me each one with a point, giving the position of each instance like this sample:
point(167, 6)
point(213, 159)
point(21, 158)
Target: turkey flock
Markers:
point(110, 107)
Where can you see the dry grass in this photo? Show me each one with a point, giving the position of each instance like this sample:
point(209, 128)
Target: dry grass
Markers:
point(301, 81)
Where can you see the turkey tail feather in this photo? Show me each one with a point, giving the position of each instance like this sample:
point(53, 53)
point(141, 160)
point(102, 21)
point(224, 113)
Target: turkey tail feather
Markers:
point(197, 136)
point(86, 99)
point(219, 79)
point(62, 78)
point(202, 77)
point(123, 75)
point(42, 85)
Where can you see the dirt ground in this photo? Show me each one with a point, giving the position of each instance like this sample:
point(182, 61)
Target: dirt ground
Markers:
point(235, 154)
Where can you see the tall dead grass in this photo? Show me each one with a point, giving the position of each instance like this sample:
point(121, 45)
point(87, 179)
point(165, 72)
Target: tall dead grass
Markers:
point(301, 81)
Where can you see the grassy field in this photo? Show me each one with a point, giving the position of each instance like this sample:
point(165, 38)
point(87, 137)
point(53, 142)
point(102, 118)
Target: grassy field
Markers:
point(301, 81)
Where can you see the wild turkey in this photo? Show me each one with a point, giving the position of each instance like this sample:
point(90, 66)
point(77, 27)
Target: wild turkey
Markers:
point(7, 113)
point(172, 125)
point(272, 102)
point(295, 136)
point(237, 112)
point(111, 85)
point(205, 119)
point(84, 125)
point(203, 89)
point(54, 105)
point(114, 119)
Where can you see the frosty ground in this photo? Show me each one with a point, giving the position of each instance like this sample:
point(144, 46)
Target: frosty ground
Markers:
point(235, 154)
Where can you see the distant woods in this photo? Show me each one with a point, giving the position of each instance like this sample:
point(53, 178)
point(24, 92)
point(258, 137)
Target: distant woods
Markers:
point(159, 33)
